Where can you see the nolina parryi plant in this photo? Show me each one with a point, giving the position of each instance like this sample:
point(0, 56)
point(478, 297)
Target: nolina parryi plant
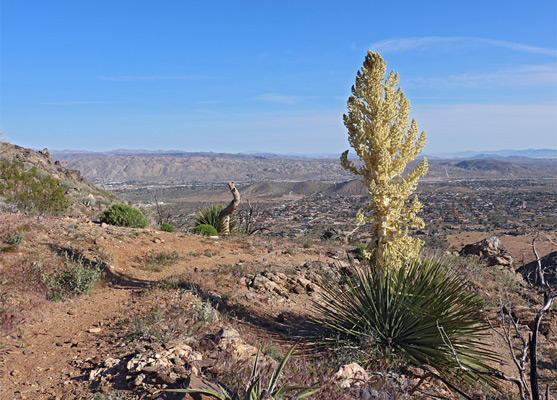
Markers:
point(385, 141)
point(255, 390)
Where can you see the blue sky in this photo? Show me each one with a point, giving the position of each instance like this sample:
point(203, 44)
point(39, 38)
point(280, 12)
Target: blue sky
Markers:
point(274, 76)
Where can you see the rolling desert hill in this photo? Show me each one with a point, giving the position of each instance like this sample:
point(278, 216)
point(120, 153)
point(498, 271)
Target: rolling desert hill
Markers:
point(493, 166)
point(175, 168)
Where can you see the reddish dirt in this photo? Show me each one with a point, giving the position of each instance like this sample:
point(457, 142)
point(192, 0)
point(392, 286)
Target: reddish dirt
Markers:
point(520, 247)
point(43, 356)
point(39, 358)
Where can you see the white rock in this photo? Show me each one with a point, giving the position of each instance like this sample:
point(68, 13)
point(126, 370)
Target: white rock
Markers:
point(351, 375)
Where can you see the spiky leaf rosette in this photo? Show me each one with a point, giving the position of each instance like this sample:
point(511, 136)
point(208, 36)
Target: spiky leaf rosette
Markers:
point(212, 216)
point(402, 309)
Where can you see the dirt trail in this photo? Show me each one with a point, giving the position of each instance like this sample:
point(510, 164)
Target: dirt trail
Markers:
point(42, 360)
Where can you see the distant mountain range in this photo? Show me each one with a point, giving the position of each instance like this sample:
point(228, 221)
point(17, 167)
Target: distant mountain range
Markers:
point(529, 153)
point(178, 167)
point(492, 154)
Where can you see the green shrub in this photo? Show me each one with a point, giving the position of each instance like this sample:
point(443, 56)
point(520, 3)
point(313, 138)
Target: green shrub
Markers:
point(308, 244)
point(156, 261)
point(14, 239)
point(206, 230)
point(32, 190)
point(70, 280)
point(124, 215)
point(361, 251)
point(167, 227)
point(403, 310)
point(212, 216)
point(68, 185)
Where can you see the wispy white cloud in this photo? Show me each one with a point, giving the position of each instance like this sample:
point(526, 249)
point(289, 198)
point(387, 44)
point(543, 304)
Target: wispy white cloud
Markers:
point(280, 98)
point(73, 103)
point(525, 75)
point(422, 43)
point(132, 78)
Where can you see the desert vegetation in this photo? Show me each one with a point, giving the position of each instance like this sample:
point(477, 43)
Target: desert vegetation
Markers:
point(385, 142)
point(124, 215)
point(110, 307)
point(30, 189)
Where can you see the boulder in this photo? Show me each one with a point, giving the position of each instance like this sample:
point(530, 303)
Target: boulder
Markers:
point(491, 250)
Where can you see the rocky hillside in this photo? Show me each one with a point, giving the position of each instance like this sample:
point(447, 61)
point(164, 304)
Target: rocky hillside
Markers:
point(85, 198)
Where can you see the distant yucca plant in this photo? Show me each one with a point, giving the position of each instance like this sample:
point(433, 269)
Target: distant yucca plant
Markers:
point(403, 309)
point(212, 216)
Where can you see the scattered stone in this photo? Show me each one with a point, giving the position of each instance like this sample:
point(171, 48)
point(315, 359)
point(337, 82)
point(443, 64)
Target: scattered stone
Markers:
point(164, 378)
point(138, 380)
point(105, 387)
point(15, 372)
point(229, 339)
point(351, 375)
point(370, 393)
point(285, 317)
point(94, 330)
point(304, 281)
point(298, 289)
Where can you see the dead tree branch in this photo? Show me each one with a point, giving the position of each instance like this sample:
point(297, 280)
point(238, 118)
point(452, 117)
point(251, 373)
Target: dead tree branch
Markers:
point(161, 211)
point(493, 373)
point(548, 300)
point(248, 215)
point(227, 212)
point(539, 270)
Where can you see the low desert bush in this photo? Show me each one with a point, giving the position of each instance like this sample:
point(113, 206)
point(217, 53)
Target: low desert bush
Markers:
point(165, 226)
point(157, 261)
point(124, 215)
point(206, 230)
point(71, 279)
point(31, 190)
point(361, 251)
point(403, 311)
point(13, 238)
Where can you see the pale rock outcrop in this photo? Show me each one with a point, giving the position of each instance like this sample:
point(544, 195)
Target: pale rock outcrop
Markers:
point(491, 250)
